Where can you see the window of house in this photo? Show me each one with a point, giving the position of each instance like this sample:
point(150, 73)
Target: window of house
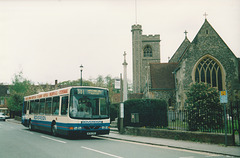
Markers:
point(147, 51)
point(209, 71)
point(2, 101)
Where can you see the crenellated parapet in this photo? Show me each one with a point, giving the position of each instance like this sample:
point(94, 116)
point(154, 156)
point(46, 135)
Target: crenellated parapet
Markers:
point(151, 38)
point(136, 27)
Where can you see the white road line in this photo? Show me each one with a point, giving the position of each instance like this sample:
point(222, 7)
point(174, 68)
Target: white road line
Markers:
point(54, 139)
point(26, 131)
point(101, 152)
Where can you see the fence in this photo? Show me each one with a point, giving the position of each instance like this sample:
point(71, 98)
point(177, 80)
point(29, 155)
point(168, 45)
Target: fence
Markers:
point(179, 120)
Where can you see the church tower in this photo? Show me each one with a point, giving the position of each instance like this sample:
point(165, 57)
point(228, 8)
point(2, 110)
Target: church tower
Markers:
point(136, 56)
point(145, 50)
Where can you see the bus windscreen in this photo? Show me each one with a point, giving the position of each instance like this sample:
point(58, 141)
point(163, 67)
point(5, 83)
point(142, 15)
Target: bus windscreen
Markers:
point(89, 104)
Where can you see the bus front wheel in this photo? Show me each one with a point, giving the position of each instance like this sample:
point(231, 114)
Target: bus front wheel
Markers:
point(54, 129)
point(30, 126)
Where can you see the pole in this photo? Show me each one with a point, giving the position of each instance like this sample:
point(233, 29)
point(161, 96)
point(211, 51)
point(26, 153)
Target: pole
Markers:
point(224, 101)
point(225, 120)
point(81, 69)
point(125, 90)
point(121, 107)
point(81, 78)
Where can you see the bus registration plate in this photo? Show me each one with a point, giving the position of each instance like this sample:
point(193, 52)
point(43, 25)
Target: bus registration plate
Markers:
point(91, 133)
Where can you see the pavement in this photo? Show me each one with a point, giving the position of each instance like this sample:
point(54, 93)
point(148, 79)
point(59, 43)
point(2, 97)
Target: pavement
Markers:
point(187, 145)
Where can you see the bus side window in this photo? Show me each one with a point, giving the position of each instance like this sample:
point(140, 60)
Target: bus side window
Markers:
point(32, 104)
point(64, 105)
point(48, 106)
point(42, 106)
point(25, 107)
point(36, 109)
point(28, 107)
point(55, 106)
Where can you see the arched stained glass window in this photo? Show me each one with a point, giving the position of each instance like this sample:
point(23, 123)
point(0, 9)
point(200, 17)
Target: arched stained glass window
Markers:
point(147, 51)
point(209, 71)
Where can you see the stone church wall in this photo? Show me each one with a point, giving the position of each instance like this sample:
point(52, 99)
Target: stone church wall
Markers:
point(168, 96)
point(206, 45)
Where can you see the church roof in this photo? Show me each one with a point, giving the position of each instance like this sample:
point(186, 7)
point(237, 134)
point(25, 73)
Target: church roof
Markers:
point(207, 40)
point(206, 35)
point(180, 51)
point(162, 77)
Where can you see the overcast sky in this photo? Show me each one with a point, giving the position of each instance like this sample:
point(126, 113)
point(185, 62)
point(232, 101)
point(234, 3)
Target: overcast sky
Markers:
point(50, 39)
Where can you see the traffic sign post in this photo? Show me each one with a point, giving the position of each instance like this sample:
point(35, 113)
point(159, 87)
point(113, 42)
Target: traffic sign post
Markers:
point(223, 97)
point(224, 101)
point(121, 107)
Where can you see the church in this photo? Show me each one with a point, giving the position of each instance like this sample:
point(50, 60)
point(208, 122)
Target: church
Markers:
point(205, 59)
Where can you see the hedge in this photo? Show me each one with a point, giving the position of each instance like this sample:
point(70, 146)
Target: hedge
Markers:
point(151, 112)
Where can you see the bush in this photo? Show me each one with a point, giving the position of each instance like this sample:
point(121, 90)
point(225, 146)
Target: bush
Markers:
point(114, 110)
point(204, 108)
point(152, 112)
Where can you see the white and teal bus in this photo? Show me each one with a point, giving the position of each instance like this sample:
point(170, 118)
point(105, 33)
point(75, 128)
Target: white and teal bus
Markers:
point(68, 111)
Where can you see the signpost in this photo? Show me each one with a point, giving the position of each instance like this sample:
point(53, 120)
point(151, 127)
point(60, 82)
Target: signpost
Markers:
point(117, 84)
point(224, 101)
point(223, 97)
point(121, 107)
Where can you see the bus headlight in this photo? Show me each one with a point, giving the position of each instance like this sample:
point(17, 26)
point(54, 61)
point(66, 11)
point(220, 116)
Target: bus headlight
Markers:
point(79, 128)
point(104, 127)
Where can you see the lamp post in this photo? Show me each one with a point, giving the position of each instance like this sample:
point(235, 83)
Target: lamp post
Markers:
point(81, 69)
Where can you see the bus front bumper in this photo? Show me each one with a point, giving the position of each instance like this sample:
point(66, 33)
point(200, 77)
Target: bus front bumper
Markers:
point(88, 133)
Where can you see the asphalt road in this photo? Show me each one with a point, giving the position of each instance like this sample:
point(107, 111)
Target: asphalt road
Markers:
point(17, 141)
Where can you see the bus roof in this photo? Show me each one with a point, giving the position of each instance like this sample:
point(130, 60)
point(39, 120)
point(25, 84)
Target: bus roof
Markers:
point(57, 92)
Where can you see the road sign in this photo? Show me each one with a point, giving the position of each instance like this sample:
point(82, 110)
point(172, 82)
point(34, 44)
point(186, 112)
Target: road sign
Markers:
point(117, 84)
point(121, 110)
point(223, 97)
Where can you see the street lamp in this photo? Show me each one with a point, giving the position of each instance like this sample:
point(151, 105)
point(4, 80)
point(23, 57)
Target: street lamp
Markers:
point(81, 69)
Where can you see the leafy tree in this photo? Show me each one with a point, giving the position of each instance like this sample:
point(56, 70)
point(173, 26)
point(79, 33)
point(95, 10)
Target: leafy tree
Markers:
point(75, 83)
point(100, 81)
point(204, 108)
point(20, 87)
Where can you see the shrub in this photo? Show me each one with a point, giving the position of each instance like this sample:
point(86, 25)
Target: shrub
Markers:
point(114, 110)
point(152, 112)
point(204, 108)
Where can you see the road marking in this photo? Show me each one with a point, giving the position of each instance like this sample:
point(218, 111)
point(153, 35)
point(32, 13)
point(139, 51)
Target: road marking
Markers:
point(54, 139)
point(101, 152)
point(164, 147)
point(26, 131)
